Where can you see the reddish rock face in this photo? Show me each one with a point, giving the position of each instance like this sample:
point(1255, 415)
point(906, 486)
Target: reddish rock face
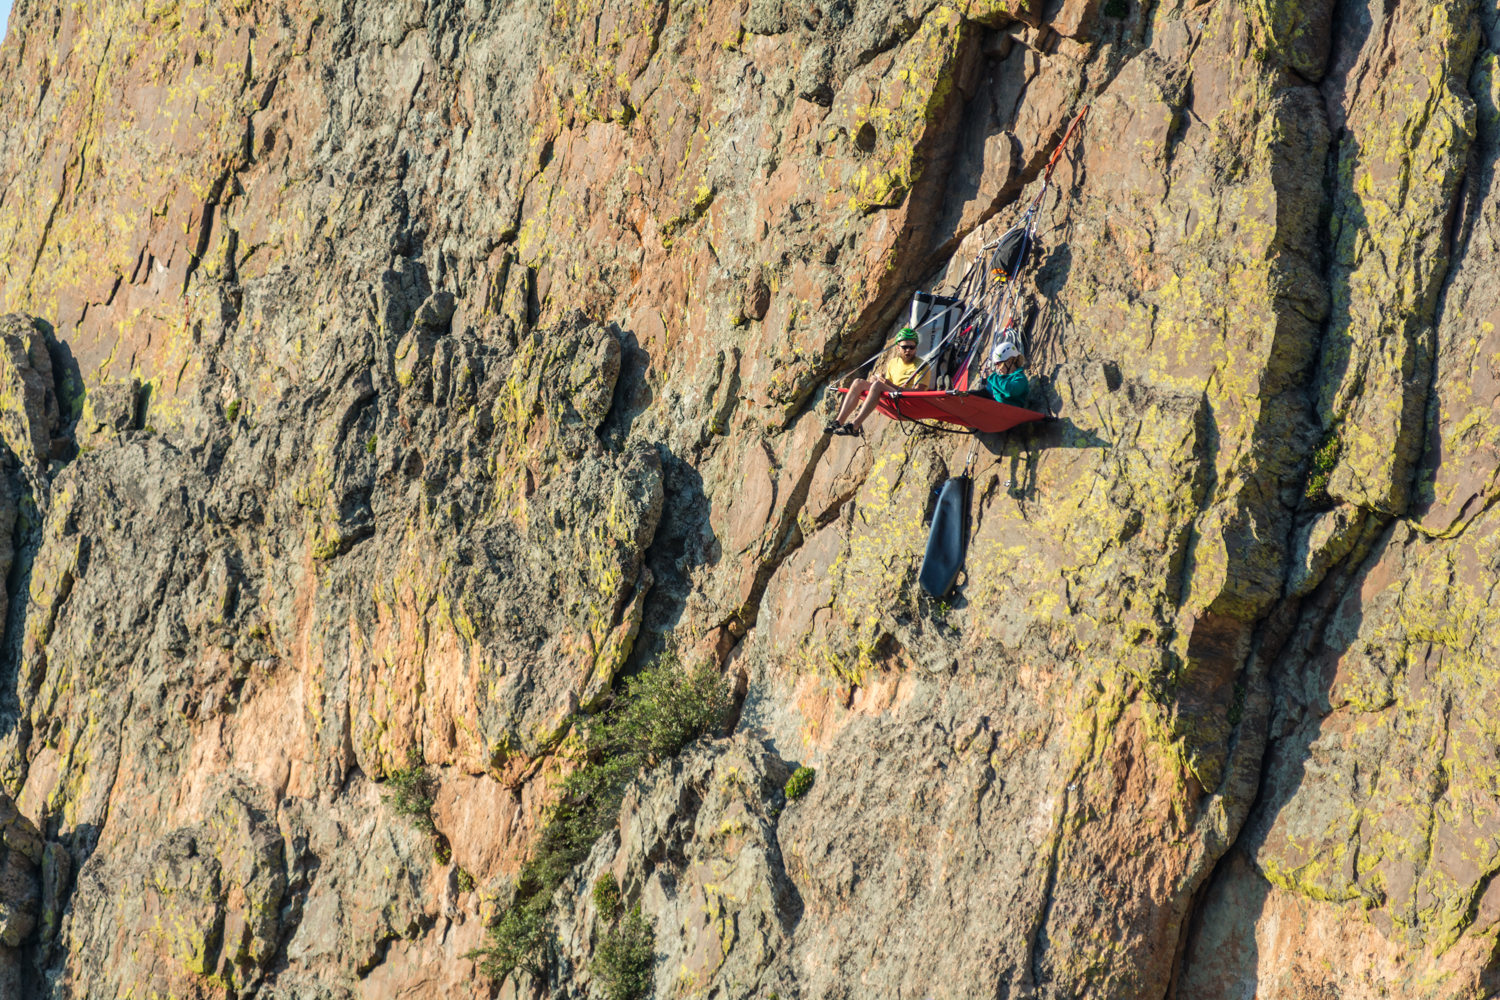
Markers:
point(384, 382)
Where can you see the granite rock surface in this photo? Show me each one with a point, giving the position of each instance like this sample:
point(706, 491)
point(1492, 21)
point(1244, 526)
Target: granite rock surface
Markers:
point(380, 383)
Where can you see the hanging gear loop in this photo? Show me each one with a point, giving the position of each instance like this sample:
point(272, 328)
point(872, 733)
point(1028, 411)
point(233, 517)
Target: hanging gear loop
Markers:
point(1025, 240)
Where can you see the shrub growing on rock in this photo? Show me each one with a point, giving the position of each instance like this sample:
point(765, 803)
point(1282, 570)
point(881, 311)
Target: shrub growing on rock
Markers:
point(606, 895)
point(800, 781)
point(659, 712)
point(625, 957)
point(412, 788)
point(1321, 471)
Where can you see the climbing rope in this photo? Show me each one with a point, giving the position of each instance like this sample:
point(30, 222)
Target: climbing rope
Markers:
point(1029, 221)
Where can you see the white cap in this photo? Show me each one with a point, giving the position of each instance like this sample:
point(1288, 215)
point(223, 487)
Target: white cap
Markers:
point(1004, 352)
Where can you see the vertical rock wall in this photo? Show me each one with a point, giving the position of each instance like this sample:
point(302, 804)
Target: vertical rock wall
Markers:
point(385, 379)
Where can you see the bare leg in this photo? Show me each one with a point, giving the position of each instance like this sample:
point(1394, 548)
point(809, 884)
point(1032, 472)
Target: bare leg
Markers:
point(851, 400)
point(877, 391)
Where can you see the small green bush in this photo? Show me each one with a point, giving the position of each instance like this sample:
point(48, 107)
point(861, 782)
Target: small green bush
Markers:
point(517, 941)
point(370, 445)
point(465, 880)
point(798, 784)
point(660, 711)
point(625, 957)
point(412, 789)
point(606, 895)
point(233, 410)
point(1318, 473)
point(1117, 8)
point(1237, 707)
point(441, 852)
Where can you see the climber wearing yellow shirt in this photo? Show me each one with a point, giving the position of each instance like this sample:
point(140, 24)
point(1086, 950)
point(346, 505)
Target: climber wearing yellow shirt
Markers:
point(900, 374)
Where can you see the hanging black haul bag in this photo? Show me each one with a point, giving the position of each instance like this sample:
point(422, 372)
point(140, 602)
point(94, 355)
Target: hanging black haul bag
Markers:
point(1010, 254)
point(948, 539)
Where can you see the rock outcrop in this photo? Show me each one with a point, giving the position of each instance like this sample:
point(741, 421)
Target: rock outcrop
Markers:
point(383, 381)
point(21, 855)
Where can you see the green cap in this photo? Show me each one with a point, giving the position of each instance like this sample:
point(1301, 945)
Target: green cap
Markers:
point(907, 333)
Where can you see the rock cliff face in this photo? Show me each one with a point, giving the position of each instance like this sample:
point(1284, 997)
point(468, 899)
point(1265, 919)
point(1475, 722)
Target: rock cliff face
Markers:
point(382, 381)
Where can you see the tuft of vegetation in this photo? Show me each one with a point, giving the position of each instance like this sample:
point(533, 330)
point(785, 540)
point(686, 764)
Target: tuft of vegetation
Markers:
point(659, 712)
point(441, 852)
point(1237, 707)
point(232, 411)
point(412, 789)
point(370, 445)
point(1119, 9)
point(800, 781)
point(606, 895)
point(1321, 469)
point(940, 610)
point(465, 880)
point(623, 961)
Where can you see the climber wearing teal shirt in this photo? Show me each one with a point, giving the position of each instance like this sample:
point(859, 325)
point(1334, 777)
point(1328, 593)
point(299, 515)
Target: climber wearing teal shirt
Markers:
point(1007, 383)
